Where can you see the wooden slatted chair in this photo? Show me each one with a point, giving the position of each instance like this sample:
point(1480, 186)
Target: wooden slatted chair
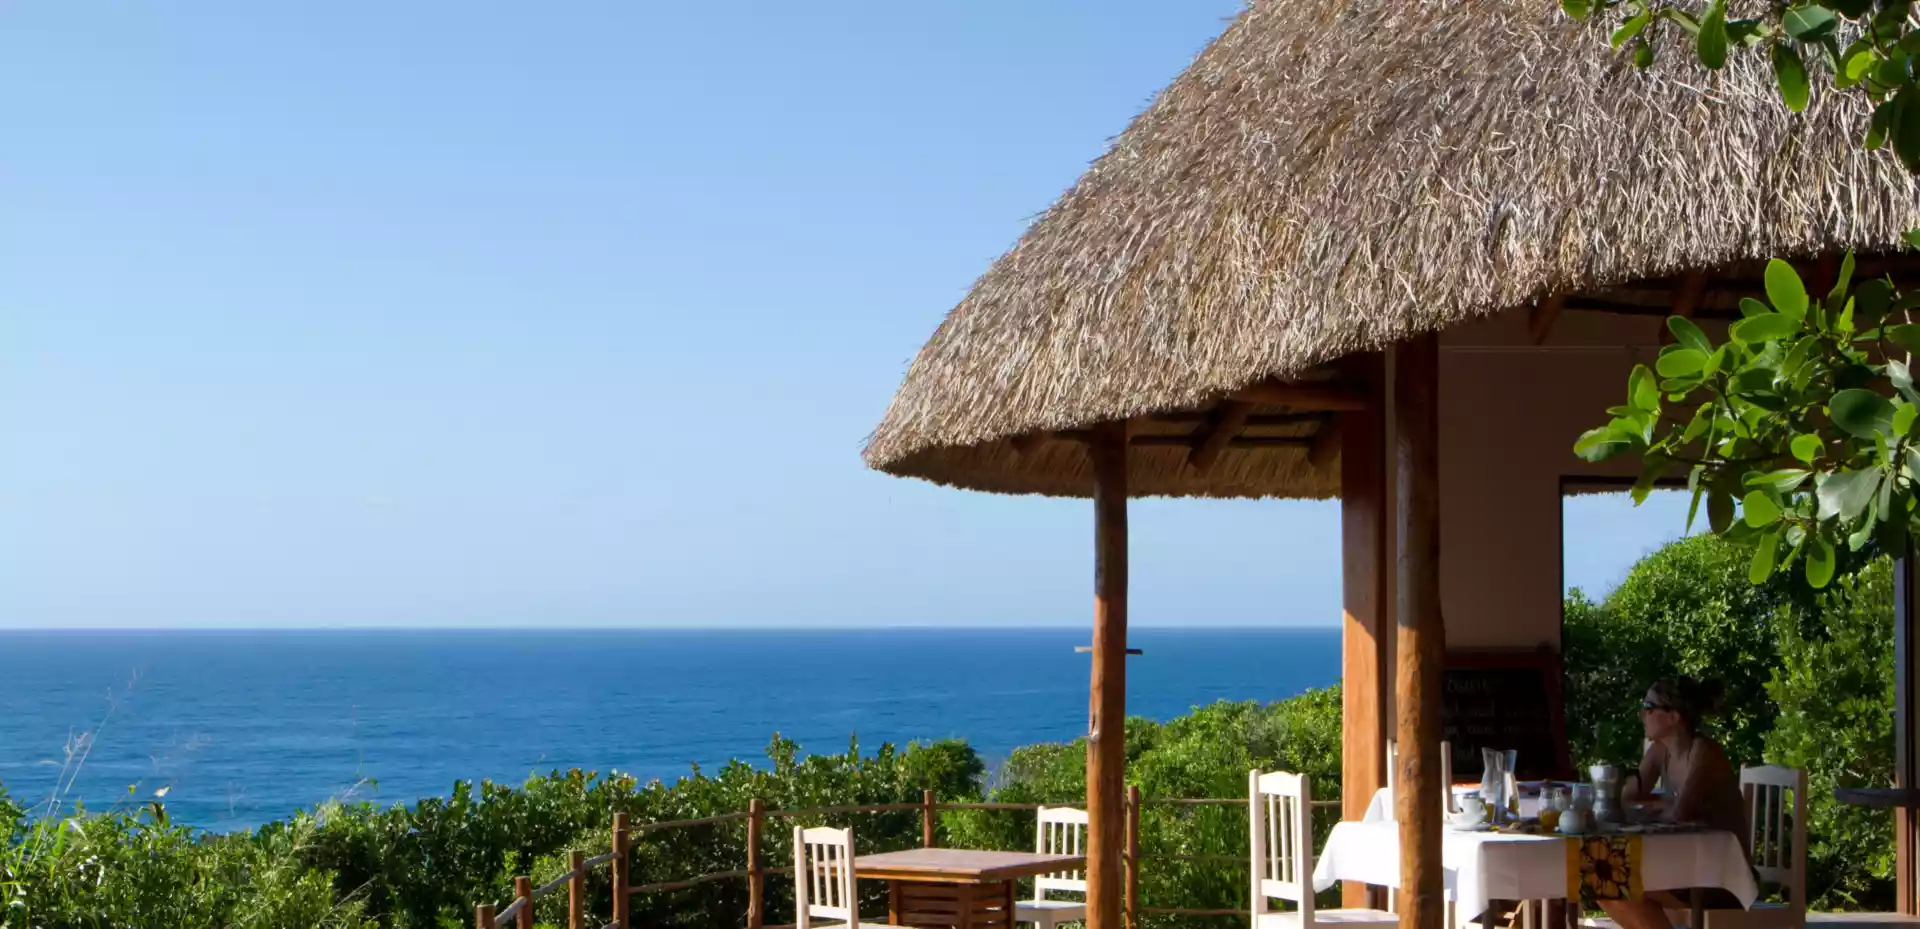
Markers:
point(1446, 771)
point(1060, 831)
point(1777, 840)
point(1280, 820)
point(824, 886)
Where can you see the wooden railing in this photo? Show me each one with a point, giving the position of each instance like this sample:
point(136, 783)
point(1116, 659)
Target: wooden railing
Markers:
point(518, 914)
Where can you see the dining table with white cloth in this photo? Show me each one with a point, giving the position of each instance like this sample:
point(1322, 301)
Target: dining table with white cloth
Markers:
point(1479, 867)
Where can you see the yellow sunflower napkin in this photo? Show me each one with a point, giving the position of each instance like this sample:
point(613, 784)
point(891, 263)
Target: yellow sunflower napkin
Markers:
point(1603, 867)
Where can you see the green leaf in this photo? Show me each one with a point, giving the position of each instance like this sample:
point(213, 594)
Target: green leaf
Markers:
point(1871, 298)
point(1578, 9)
point(1902, 381)
point(1632, 28)
point(1853, 9)
point(1763, 554)
point(1759, 510)
point(1643, 391)
point(1810, 23)
point(1719, 511)
point(1764, 328)
point(1819, 563)
point(1751, 308)
point(1880, 126)
point(1785, 480)
point(1806, 447)
point(1711, 43)
point(1855, 64)
point(1906, 130)
point(1905, 335)
point(1643, 55)
point(1903, 417)
point(1689, 334)
point(1846, 493)
point(1746, 32)
point(1682, 19)
point(1861, 413)
point(1785, 291)
point(1841, 280)
point(1600, 444)
point(1681, 363)
point(1913, 237)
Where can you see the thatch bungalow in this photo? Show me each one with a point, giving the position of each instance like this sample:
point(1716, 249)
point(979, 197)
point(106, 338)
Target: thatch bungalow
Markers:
point(1399, 253)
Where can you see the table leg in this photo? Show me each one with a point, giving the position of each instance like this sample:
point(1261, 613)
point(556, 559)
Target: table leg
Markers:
point(893, 903)
point(1697, 909)
point(1012, 891)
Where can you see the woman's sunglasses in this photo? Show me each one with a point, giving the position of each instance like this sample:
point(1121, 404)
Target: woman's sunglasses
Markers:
point(1646, 705)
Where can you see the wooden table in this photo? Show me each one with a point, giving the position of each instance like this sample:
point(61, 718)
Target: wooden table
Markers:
point(956, 888)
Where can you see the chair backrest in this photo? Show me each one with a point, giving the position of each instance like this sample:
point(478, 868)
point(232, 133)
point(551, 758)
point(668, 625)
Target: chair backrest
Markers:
point(1061, 830)
point(1280, 819)
point(823, 882)
point(1446, 771)
point(1778, 827)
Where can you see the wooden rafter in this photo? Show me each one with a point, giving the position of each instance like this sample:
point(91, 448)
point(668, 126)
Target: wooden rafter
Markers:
point(1229, 418)
point(1541, 317)
point(1326, 398)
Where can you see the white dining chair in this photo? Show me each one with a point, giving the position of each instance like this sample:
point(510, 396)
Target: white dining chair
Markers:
point(1280, 821)
point(1060, 831)
point(824, 886)
point(1777, 840)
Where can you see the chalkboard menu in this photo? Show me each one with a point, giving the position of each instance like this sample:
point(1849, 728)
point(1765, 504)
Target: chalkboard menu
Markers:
point(1505, 700)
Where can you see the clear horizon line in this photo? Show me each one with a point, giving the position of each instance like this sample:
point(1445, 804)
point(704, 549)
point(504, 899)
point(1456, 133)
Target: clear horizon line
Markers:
point(976, 627)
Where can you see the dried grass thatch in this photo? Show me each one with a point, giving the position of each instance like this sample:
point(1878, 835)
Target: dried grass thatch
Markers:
point(1331, 176)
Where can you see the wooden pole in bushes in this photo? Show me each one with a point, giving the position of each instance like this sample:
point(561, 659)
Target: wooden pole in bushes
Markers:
point(483, 916)
point(1133, 856)
point(756, 876)
point(622, 896)
point(1420, 634)
point(577, 890)
point(523, 890)
point(1107, 710)
point(926, 819)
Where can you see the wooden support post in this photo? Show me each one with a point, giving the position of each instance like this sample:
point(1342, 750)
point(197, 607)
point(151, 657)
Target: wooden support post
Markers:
point(1107, 705)
point(577, 890)
point(1420, 635)
point(483, 916)
point(756, 871)
point(1542, 316)
point(1905, 624)
point(622, 886)
point(1364, 639)
point(1133, 856)
point(926, 818)
point(523, 890)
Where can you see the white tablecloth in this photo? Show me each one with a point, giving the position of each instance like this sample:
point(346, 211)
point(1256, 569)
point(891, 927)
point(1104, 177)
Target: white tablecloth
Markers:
point(1483, 866)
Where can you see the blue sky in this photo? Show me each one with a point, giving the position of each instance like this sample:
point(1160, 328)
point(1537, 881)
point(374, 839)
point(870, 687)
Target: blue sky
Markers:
point(563, 314)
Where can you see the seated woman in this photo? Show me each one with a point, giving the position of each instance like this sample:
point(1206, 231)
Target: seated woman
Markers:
point(1702, 787)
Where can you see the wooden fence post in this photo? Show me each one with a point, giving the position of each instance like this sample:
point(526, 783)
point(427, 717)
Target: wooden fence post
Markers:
point(523, 890)
point(577, 890)
point(756, 877)
point(622, 898)
point(1133, 856)
point(483, 916)
point(926, 819)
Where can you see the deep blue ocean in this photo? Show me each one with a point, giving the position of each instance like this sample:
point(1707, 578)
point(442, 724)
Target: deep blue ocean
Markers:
point(244, 727)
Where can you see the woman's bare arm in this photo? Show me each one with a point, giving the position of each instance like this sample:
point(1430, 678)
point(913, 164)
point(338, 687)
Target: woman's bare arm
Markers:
point(1650, 764)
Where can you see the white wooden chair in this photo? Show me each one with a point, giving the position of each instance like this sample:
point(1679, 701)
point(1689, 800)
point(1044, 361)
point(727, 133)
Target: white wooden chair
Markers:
point(824, 886)
point(1777, 834)
point(1060, 831)
point(1280, 820)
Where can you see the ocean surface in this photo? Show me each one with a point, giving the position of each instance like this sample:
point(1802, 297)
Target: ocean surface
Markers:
point(245, 727)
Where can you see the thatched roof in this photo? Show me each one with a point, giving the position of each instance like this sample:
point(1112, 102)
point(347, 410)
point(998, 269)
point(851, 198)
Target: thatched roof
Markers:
point(1330, 176)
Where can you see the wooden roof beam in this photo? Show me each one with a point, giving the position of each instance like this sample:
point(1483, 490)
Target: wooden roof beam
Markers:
point(1324, 398)
point(1029, 442)
point(1229, 419)
point(1326, 444)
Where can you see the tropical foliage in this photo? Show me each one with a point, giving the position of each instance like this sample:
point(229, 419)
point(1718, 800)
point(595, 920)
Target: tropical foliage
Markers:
point(1803, 419)
point(1809, 684)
